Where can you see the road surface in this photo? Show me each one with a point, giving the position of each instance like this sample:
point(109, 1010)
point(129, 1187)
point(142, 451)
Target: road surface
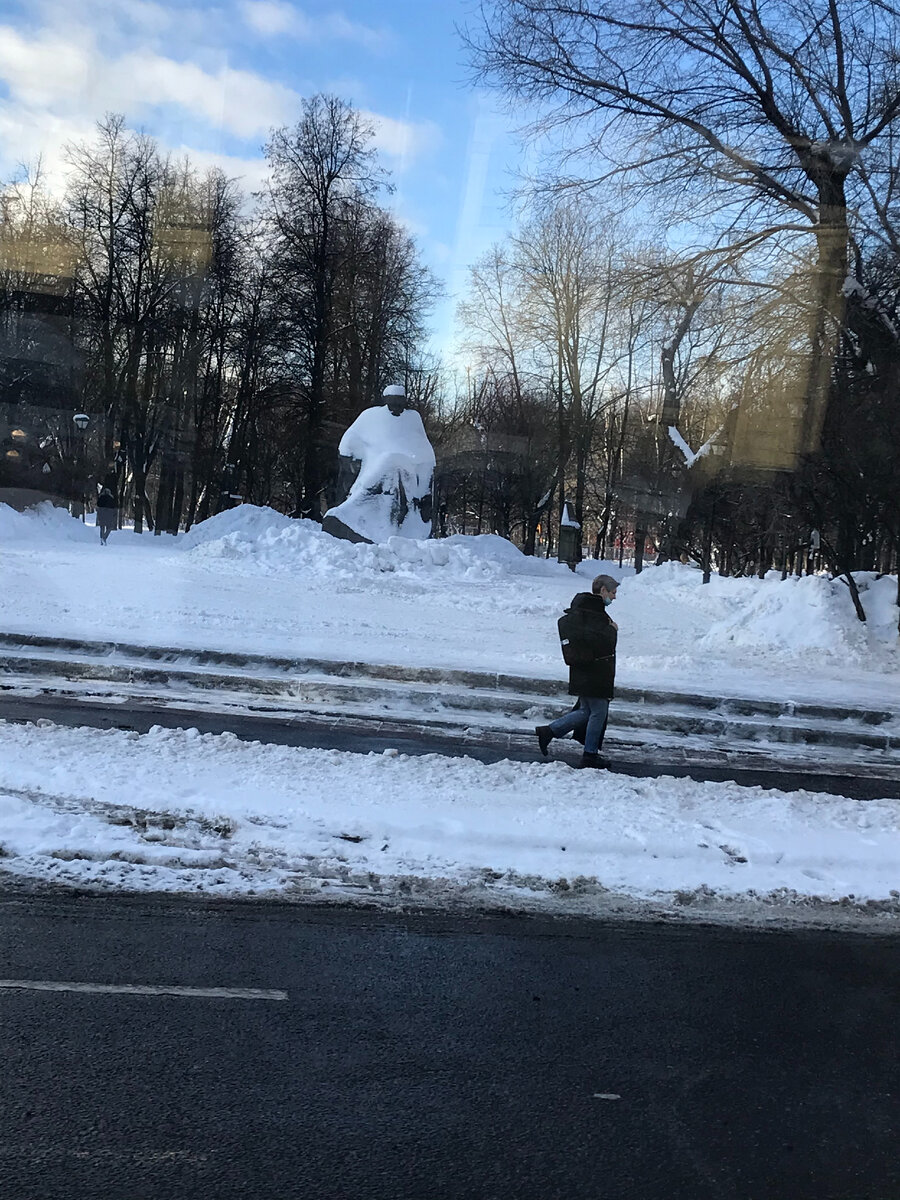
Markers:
point(370, 1057)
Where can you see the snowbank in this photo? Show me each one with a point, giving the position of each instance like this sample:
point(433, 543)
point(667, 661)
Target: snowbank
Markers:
point(246, 522)
point(809, 616)
point(266, 542)
point(177, 810)
point(809, 619)
point(41, 524)
point(879, 597)
point(256, 581)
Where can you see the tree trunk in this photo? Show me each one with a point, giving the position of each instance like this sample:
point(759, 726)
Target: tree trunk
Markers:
point(640, 536)
point(177, 502)
point(707, 545)
point(832, 242)
point(163, 497)
point(854, 595)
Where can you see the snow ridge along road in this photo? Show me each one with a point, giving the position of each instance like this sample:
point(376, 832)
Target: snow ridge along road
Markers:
point(174, 810)
point(821, 737)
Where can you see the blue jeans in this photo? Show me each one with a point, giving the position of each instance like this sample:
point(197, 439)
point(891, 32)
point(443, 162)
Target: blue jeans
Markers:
point(589, 717)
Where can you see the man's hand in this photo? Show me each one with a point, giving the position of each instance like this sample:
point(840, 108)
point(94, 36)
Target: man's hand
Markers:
point(614, 625)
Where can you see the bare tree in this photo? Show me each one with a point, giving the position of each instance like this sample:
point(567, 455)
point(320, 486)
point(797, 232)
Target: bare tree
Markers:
point(497, 318)
point(322, 169)
point(767, 117)
point(569, 258)
point(539, 312)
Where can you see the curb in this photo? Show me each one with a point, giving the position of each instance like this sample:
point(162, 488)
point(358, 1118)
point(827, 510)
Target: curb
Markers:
point(254, 664)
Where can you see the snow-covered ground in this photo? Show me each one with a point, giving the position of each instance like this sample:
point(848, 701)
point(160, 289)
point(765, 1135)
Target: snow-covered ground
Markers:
point(180, 811)
point(256, 581)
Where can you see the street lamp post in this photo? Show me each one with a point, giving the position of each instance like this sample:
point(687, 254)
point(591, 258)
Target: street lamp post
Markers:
point(81, 421)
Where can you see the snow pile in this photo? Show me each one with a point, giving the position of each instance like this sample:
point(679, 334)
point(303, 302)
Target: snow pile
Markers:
point(809, 616)
point(246, 522)
point(509, 559)
point(253, 580)
point(220, 815)
point(674, 583)
point(43, 523)
point(263, 541)
point(879, 598)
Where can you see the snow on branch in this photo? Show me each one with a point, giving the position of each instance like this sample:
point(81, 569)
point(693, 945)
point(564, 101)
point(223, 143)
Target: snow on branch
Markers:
point(689, 456)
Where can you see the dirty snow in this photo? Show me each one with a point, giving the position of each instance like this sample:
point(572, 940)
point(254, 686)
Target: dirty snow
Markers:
point(174, 810)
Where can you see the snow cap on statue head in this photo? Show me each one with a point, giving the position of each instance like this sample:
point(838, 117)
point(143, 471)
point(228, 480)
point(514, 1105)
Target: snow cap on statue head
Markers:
point(395, 395)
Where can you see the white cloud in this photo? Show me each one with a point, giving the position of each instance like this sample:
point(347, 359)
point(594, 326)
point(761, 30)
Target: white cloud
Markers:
point(269, 17)
point(62, 77)
point(274, 18)
point(40, 71)
point(239, 102)
point(338, 26)
point(26, 137)
point(414, 227)
point(251, 173)
point(142, 15)
point(116, 20)
point(403, 140)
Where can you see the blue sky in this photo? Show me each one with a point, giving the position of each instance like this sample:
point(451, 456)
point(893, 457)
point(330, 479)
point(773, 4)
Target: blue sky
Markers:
point(211, 78)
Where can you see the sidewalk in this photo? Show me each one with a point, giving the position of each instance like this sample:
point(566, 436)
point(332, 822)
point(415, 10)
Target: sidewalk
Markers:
point(824, 736)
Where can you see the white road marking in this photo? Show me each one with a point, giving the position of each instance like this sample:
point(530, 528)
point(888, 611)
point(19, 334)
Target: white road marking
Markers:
point(606, 1096)
point(144, 989)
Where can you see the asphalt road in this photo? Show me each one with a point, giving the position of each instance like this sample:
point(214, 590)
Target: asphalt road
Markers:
point(362, 736)
point(429, 1057)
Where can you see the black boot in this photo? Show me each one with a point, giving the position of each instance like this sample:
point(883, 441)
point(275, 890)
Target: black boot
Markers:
point(544, 737)
point(593, 760)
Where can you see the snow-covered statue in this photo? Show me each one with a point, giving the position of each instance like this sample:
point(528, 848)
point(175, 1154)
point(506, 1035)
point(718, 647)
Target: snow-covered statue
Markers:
point(387, 464)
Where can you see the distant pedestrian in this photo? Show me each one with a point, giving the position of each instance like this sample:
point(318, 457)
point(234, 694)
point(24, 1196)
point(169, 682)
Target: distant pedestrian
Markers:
point(107, 513)
point(588, 636)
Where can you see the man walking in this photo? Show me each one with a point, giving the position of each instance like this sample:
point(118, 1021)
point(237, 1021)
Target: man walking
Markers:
point(107, 513)
point(588, 636)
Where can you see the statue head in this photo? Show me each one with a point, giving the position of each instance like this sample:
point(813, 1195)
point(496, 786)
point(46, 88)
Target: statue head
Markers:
point(395, 397)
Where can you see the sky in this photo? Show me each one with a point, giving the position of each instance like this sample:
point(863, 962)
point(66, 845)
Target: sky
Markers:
point(210, 78)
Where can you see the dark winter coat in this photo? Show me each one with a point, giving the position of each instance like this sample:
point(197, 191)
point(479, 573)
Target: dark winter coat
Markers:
point(106, 510)
point(589, 647)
